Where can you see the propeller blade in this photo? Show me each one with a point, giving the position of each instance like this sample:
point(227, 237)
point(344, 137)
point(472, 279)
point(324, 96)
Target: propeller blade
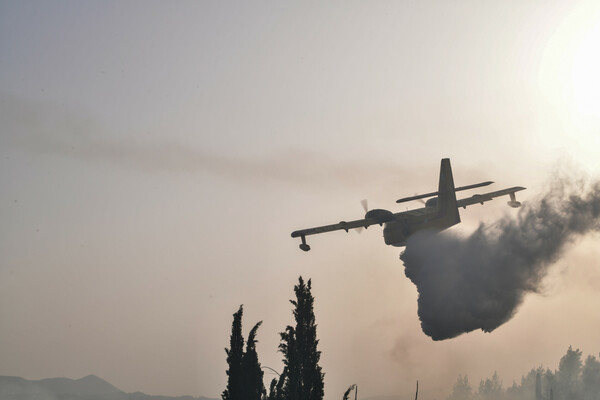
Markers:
point(365, 204)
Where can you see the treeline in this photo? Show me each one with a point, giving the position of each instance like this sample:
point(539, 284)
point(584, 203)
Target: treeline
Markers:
point(301, 379)
point(575, 379)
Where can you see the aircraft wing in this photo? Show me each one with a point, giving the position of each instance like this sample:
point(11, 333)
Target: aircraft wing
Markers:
point(481, 198)
point(342, 225)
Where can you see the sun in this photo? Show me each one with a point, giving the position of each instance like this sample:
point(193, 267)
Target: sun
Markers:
point(585, 73)
point(569, 82)
point(568, 74)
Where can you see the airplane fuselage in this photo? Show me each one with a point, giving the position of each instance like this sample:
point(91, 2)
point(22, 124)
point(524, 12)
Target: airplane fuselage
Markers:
point(397, 231)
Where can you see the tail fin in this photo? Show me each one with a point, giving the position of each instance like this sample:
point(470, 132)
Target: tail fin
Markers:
point(446, 204)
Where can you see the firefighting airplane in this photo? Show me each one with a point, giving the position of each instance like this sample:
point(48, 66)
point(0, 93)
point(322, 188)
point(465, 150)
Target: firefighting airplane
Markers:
point(440, 212)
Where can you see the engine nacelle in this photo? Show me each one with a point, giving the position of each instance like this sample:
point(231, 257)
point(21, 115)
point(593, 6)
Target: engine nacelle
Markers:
point(380, 215)
point(431, 202)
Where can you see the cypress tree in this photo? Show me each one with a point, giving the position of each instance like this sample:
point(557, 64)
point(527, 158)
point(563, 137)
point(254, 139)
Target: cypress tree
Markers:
point(235, 355)
point(303, 377)
point(252, 374)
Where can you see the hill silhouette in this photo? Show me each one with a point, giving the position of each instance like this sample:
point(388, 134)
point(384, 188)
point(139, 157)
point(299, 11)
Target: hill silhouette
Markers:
point(90, 387)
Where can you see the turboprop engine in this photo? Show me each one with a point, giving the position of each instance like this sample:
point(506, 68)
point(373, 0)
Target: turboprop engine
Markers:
point(380, 215)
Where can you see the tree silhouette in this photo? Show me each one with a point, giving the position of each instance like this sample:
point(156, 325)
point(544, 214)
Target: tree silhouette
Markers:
point(276, 388)
point(347, 392)
point(573, 380)
point(252, 375)
point(462, 389)
point(235, 354)
point(302, 378)
point(244, 375)
point(590, 377)
point(568, 374)
point(491, 388)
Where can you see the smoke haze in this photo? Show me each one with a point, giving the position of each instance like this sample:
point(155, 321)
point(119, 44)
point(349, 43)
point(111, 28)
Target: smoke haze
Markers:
point(479, 281)
point(43, 128)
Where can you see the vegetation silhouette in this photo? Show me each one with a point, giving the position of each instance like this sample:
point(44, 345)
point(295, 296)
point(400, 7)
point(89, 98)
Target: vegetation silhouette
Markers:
point(573, 380)
point(244, 374)
point(347, 392)
point(302, 377)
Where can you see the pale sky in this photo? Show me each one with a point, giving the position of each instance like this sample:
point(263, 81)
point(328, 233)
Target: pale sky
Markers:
point(155, 157)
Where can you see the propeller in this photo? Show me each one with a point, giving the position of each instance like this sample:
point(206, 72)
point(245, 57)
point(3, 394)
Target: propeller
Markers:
point(365, 206)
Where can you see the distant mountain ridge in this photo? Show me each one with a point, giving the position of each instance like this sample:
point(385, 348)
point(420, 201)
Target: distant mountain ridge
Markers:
point(88, 388)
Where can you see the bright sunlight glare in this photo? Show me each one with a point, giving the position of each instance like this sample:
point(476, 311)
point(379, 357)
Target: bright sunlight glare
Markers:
point(585, 74)
point(569, 79)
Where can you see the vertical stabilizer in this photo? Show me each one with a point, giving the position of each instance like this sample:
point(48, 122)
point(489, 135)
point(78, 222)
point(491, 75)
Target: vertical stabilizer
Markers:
point(447, 207)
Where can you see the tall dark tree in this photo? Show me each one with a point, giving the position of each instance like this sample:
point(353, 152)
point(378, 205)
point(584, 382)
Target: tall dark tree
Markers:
point(235, 355)
point(244, 374)
point(252, 374)
point(303, 378)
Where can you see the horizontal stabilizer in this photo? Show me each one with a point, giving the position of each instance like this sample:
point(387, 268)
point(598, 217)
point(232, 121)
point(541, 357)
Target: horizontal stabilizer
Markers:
point(458, 189)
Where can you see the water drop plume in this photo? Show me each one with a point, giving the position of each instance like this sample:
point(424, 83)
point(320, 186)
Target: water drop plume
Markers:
point(478, 281)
